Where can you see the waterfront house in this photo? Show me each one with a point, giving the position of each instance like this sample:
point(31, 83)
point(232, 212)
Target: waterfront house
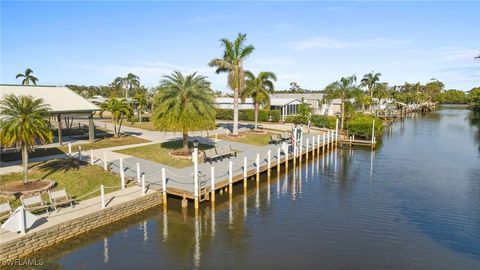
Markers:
point(286, 106)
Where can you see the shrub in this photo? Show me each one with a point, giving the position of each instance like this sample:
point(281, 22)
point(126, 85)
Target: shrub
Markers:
point(323, 121)
point(249, 115)
point(361, 125)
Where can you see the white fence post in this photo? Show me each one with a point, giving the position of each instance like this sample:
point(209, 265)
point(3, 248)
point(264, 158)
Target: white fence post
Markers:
point(70, 149)
point(258, 167)
point(230, 176)
point(143, 185)
point(306, 149)
point(212, 183)
point(269, 158)
point(80, 153)
point(138, 172)
point(102, 196)
point(164, 186)
point(122, 174)
point(23, 222)
point(105, 163)
point(92, 161)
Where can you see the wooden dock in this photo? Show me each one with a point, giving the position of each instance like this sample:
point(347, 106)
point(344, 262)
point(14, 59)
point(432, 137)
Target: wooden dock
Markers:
point(210, 184)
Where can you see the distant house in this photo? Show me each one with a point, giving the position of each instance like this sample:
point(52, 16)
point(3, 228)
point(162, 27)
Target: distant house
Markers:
point(286, 106)
point(63, 102)
point(313, 99)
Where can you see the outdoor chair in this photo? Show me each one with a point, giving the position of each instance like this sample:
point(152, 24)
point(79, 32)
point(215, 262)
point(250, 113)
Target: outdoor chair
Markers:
point(226, 151)
point(211, 155)
point(34, 203)
point(5, 210)
point(59, 197)
point(285, 136)
point(275, 139)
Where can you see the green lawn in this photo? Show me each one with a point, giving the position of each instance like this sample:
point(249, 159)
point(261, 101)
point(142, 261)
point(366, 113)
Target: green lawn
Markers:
point(99, 143)
point(250, 138)
point(77, 180)
point(159, 153)
point(143, 125)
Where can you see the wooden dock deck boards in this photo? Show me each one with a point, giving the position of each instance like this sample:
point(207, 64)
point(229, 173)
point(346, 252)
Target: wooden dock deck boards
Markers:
point(180, 181)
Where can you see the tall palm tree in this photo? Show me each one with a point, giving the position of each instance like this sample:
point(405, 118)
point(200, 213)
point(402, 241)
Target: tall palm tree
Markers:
point(184, 103)
point(370, 80)
point(259, 88)
point(127, 83)
point(141, 100)
point(27, 77)
point(343, 87)
point(232, 62)
point(23, 122)
point(120, 110)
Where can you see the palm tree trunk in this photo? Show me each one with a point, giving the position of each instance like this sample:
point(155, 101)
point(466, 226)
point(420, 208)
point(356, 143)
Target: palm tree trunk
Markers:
point(235, 112)
point(256, 115)
point(185, 140)
point(119, 127)
point(25, 164)
point(140, 115)
point(343, 113)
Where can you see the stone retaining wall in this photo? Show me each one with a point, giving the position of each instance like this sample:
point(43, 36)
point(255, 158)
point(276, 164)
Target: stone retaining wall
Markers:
point(33, 242)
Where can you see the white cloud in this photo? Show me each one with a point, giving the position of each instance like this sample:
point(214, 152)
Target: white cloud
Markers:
point(333, 43)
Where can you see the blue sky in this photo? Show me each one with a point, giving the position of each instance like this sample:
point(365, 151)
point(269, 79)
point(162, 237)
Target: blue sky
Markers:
point(311, 43)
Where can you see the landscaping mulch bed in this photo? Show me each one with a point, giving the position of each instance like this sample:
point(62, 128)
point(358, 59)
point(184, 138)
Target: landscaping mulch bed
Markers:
point(32, 187)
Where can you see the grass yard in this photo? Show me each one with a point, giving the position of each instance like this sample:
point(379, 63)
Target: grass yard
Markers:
point(77, 180)
point(250, 138)
point(143, 125)
point(99, 143)
point(159, 153)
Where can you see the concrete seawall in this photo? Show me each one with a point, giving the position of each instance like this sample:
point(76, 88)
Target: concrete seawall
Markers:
point(32, 242)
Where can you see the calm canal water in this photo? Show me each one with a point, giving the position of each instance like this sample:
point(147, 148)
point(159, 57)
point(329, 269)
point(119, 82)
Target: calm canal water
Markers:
point(414, 203)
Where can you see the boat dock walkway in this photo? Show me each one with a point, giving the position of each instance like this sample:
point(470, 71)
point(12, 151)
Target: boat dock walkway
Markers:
point(181, 182)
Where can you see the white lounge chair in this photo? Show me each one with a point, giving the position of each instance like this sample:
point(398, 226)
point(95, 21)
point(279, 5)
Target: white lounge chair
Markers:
point(5, 210)
point(34, 203)
point(59, 197)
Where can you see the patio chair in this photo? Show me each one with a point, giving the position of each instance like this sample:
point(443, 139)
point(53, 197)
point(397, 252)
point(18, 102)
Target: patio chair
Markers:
point(285, 136)
point(59, 197)
point(34, 203)
point(5, 210)
point(211, 155)
point(275, 139)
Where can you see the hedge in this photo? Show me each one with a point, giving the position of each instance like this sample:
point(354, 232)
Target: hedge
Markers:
point(323, 121)
point(249, 115)
point(361, 125)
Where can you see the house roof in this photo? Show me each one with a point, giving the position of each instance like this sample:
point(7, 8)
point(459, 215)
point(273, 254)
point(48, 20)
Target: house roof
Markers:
point(299, 96)
point(60, 99)
point(273, 101)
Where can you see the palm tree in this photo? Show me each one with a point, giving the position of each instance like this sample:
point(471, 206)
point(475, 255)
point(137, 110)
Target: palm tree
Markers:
point(259, 88)
point(23, 122)
point(343, 88)
point(370, 80)
point(127, 83)
point(142, 101)
point(27, 77)
point(184, 103)
point(120, 109)
point(232, 62)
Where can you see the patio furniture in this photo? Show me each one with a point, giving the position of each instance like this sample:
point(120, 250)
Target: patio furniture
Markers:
point(5, 210)
point(59, 197)
point(34, 203)
point(211, 155)
point(275, 139)
point(285, 136)
point(225, 151)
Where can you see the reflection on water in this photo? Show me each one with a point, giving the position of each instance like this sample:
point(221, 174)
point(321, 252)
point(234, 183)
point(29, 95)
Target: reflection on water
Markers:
point(414, 203)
